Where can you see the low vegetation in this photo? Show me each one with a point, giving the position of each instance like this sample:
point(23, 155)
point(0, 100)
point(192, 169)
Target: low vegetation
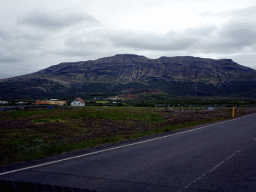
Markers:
point(38, 133)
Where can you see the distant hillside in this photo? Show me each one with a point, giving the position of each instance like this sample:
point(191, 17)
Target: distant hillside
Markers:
point(126, 73)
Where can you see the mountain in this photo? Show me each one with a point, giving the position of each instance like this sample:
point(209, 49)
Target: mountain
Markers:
point(127, 73)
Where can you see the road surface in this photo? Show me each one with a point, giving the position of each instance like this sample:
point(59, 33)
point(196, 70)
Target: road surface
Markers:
point(217, 157)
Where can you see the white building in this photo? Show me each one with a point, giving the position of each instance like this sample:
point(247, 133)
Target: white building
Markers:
point(4, 102)
point(78, 102)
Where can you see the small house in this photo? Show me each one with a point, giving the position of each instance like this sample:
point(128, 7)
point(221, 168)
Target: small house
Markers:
point(78, 102)
point(3, 102)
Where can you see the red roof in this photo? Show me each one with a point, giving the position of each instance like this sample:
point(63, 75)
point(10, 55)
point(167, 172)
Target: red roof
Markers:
point(79, 99)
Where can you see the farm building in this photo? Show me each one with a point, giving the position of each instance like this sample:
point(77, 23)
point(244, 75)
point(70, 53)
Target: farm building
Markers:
point(48, 102)
point(78, 102)
point(4, 102)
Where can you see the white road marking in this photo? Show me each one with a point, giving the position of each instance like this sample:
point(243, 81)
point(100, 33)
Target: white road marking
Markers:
point(232, 155)
point(203, 175)
point(75, 157)
point(219, 164)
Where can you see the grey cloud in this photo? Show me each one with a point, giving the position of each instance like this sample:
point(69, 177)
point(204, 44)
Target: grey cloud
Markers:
point(32, 36)
point(240, 32)
point(15, 69)
point(4, 35)
point(171, 41)
point(80, 43)
point(72, 53)
point(18, 46)
point(253, 48)
point(231, 37)
point(204, 31)
point(53, 21)
point(10, 59)
point(246, 12)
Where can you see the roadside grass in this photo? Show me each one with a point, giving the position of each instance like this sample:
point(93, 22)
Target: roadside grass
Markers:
point(55, 131)
point(39, 150)
point(175, 127)
point(35, 148)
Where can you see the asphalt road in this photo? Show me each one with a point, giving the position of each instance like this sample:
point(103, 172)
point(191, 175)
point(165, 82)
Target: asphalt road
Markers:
point(217, 157)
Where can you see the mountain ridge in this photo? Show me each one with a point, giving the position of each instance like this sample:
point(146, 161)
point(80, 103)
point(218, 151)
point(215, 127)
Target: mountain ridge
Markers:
point(221, 75)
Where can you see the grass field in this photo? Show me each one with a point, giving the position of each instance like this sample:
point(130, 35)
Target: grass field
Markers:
point(39, 133)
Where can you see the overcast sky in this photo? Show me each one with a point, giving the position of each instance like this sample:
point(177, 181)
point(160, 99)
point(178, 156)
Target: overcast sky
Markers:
point(37, 34)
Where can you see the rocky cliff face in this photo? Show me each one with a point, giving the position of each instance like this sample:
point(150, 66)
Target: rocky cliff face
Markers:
point(127, 68)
